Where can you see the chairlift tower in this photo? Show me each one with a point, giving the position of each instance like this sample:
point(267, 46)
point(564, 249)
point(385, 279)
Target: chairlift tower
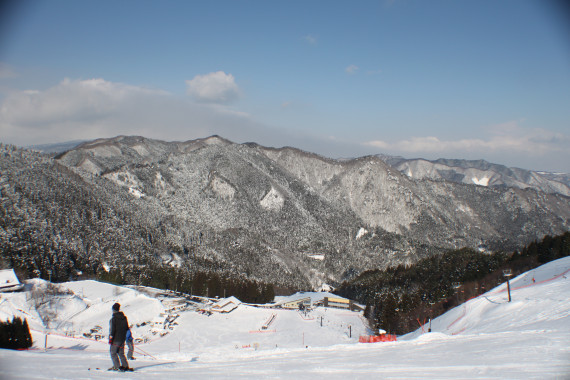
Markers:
point(508, 273)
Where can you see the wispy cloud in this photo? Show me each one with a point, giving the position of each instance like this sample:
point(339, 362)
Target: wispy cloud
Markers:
point(389, 3)
point(374, 72)
point(7, 72)
point(216, 87)
point(351, 69)
point(309, 38)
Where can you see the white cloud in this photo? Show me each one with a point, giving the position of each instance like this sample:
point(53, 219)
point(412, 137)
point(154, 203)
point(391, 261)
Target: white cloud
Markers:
point(351, 69)
point(69, 101)
point(217, 87)
point(93, 108)
point(96, 108)
point(507, 137)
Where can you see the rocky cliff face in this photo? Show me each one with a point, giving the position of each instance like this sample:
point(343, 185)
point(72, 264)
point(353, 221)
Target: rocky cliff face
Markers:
point(292, 217)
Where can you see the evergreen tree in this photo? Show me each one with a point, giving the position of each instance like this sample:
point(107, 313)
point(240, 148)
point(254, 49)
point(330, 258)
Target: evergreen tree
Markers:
point(27, 336)
point(15, 335)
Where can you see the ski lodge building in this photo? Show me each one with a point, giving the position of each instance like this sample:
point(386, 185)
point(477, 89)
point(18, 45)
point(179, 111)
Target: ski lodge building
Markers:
point(310, 302)
point(294, 304)
point(225, 305)
point(340, 303)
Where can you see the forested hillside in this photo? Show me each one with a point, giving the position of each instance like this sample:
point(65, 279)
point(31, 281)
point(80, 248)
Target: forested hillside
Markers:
point(398, 298)
point(54, 225)
point(129, 208)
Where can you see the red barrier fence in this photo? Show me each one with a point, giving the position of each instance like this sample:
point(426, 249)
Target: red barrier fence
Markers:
point(377, 338)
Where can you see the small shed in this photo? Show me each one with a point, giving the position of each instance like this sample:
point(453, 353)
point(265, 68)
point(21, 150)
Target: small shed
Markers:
point(9, 281)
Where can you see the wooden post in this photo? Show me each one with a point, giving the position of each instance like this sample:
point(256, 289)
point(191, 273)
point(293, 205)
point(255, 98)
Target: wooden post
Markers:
point(508, 273)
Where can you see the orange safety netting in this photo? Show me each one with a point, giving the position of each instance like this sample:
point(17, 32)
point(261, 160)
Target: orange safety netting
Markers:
point(377, 338)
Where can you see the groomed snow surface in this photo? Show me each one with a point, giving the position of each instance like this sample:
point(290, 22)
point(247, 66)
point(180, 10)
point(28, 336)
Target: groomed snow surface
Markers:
point(487, 337)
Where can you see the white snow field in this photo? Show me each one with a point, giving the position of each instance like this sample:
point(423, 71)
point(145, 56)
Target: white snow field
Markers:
point(487, 337)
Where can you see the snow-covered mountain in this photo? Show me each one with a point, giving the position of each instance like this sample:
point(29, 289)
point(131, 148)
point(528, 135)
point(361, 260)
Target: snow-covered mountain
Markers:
point(280, 215)
point(57, 147)
point(255, 181)
point(482, 173)
point(487, 337)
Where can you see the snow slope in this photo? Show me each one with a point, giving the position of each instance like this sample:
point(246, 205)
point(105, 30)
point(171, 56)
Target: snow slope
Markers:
point(487, 337)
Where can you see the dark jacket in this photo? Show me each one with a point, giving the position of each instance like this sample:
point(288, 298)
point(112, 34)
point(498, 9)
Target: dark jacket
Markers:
point(118, 326)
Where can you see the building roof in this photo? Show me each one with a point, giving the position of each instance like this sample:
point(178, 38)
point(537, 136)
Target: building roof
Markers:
point(9, 281)
point(296, 302)
point(225, 305)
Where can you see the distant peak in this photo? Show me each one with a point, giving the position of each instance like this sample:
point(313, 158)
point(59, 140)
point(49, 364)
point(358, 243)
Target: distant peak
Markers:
point(216, 140)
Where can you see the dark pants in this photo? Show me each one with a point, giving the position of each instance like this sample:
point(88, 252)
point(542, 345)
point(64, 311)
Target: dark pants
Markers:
point(118, 353)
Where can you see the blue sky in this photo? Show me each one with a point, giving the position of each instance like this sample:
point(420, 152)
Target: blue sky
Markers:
point(455, 79)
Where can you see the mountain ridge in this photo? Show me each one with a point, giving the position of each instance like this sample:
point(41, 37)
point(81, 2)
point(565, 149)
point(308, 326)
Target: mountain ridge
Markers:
point(480, 172)
point(280, 215)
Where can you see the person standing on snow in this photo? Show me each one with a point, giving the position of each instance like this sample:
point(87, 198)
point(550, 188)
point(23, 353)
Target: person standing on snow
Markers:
point(118, 327)
point(130, 344)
